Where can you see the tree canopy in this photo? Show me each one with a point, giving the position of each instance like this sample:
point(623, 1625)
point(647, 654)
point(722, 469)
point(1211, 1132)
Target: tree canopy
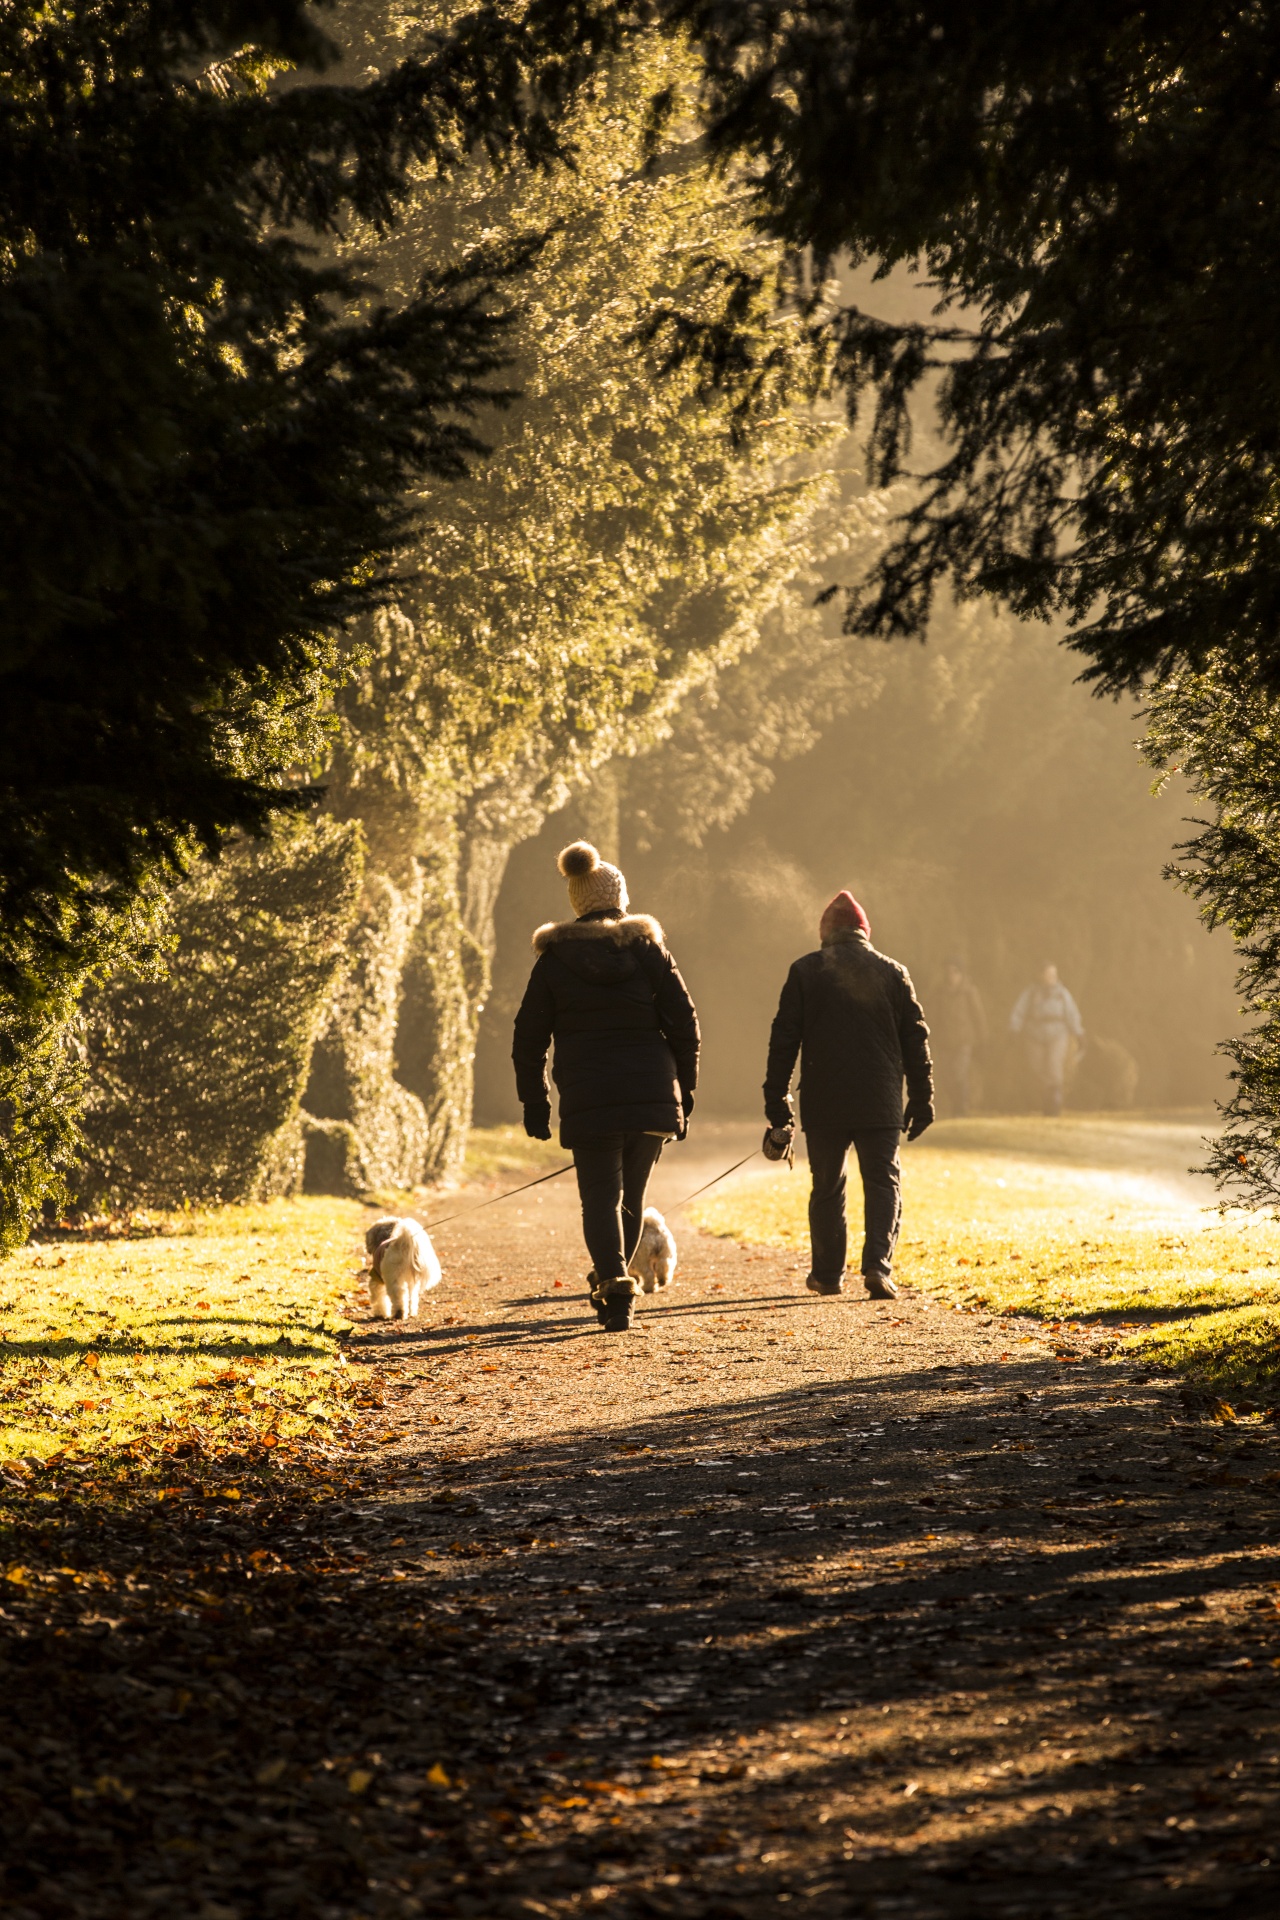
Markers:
point(1091, 194)
point(622, 542)
point(210, 430)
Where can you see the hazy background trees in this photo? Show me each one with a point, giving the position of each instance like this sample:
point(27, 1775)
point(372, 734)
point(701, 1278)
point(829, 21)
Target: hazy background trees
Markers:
point(978, 802)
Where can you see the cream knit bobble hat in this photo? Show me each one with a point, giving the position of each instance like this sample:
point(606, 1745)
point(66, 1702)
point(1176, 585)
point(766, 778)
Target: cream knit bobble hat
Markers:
point(593, 883)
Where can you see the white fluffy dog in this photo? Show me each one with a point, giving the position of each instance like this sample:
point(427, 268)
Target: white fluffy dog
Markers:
point(403, 1263)
point(654, 1263)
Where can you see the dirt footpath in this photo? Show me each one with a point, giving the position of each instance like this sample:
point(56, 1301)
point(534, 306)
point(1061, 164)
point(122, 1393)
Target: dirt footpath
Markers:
point(878, 1609)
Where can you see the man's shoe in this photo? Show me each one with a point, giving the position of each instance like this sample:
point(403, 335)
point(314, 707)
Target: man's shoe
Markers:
point(824, 1286)
point(879, 1287)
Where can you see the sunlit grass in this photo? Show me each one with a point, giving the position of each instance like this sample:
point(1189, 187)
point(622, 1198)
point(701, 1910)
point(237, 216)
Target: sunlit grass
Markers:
point(207, 1329)
point(503, 1153)
point(1040, 1236)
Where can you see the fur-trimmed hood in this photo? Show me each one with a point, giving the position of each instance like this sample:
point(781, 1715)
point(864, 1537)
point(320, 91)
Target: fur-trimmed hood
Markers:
point(622, 932)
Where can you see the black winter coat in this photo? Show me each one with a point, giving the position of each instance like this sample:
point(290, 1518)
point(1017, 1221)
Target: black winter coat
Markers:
point(852, 1015)
point(608, 993)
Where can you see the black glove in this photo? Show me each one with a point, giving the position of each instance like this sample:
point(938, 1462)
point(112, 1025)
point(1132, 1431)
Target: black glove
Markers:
point(537, 1122)
point(917, 1120)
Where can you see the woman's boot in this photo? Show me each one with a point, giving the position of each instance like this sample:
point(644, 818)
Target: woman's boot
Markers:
point(617, 1306)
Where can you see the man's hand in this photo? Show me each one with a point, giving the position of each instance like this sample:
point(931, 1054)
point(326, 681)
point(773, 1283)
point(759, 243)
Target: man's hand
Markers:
point(776, 1144)
point(537, 1122)
point(917, 1120)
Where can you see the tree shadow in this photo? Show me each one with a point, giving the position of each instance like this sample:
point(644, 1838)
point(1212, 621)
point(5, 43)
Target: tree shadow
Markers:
point(853, 1702)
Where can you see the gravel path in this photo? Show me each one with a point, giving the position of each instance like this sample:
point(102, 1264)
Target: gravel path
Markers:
point(877, 1609)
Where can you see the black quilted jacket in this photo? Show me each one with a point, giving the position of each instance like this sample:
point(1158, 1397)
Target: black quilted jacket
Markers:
point(609, 996)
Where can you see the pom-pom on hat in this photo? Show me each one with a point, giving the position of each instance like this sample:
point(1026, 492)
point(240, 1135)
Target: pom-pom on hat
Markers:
point(593, 883)
point(842, 915)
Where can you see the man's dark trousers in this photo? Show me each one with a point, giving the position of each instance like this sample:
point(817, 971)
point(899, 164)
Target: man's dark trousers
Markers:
point(877, 1151)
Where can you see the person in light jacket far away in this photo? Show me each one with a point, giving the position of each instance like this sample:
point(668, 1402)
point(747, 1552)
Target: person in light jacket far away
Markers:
point(605, 990)
point(852, 1016)
point(1049, 1022)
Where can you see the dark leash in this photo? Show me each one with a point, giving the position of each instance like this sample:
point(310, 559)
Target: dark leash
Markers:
point(716, 1182)
point(494, 1198)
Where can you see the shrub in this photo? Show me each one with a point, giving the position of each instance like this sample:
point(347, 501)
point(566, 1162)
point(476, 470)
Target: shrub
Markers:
point(195, 1076)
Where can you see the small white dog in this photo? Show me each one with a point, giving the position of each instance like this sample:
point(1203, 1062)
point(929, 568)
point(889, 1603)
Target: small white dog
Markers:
point(654, 1263)
point(403, 1263)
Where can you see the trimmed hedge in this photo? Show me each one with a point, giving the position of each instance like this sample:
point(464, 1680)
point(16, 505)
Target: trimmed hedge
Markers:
point(195, 1077)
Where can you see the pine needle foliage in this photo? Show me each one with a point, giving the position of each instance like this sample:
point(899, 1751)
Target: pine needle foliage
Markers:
point(1092, 194)
point(1223, 736)
point(210, 436)
point(209, 430)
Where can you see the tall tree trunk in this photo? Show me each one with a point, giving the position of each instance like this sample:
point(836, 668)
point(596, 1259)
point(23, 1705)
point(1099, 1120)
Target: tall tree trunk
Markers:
point(377, 1131)
point(447, 978)
point(445, 985)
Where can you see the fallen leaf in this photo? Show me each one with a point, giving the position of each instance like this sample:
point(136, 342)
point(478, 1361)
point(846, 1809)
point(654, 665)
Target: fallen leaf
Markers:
point(437, 1777)
point(358, 1780)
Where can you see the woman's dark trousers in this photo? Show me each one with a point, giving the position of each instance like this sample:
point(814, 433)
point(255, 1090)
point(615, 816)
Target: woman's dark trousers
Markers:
point(877, 1151)
point(613, 1173)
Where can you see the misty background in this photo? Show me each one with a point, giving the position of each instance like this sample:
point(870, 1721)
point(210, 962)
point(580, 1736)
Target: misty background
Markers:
point(979, 803)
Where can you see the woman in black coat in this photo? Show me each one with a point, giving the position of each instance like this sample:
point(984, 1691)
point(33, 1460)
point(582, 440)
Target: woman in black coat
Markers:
point(607, 992)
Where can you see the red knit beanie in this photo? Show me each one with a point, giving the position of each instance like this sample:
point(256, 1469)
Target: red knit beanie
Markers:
point(843, 915)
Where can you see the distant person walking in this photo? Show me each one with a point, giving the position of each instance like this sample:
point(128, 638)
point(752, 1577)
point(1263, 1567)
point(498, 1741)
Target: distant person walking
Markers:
point(957, 1031)
point(605, 990)
point(852, 1016)
point(1048, 1020)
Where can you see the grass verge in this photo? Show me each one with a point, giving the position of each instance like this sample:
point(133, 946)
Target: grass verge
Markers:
point(191, 1334)
point(1197, 1291)
point(503, 1153)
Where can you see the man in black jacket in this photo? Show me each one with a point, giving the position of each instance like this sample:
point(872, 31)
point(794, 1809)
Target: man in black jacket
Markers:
point(852, 1016)
point(608, 993)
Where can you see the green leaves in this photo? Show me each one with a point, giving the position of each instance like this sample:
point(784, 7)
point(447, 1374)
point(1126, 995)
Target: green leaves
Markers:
point(630, 526)
point(1087, 206)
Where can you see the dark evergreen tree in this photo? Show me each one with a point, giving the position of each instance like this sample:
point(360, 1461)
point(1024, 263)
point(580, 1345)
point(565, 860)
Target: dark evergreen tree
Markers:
point(1224, 738)
point(209, 433)
point(1093, 195)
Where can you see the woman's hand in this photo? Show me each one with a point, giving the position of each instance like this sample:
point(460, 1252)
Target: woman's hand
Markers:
point(537, 1122)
